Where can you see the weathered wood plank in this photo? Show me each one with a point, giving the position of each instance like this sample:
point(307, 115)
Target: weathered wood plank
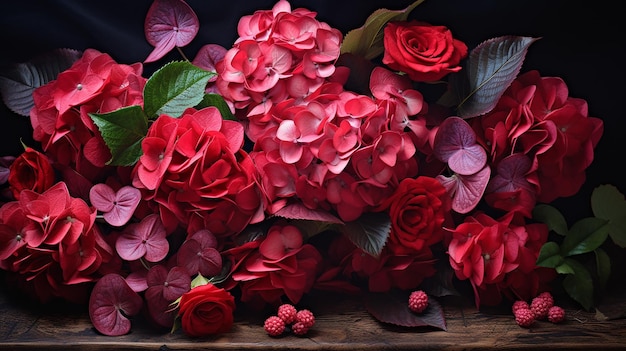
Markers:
point(342, 324)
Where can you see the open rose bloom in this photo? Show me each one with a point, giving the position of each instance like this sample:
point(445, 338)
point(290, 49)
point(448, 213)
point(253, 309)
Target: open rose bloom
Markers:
point(259, 173)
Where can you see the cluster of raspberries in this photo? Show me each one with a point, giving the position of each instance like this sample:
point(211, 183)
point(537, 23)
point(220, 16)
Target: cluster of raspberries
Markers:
point(541, 308)
point(288, 316)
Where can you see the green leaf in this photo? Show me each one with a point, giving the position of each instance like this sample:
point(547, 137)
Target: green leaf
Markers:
point(173, 88)
point(585, 236)
point(603, 266)
point(369, 232)
point(550, 255)
point(564, 268)
point(367, 40)
point(579, 286)
point(490, 69)
point(552, 217)
point(122, 131)
point(219, 102)
point(607, 202)
point(199, 280)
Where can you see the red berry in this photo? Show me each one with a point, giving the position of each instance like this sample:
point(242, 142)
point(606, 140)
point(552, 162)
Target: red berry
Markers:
point(546, 295)
point(556, 314)
point(305, 317)
point(287, 312)
point(524, 317)
point(540, 306)
point(519, 304)
point(418, 301)
point(298, 328)
point(274, 326)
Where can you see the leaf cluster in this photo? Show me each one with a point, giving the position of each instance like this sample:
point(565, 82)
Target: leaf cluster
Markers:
point(585, 239)
point(172, 89)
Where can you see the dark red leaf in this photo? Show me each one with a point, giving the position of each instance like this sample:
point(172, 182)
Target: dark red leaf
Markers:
point(299, 211)
point(169, 24)
point(393, 308)
point(110, 304)
point(208, 56)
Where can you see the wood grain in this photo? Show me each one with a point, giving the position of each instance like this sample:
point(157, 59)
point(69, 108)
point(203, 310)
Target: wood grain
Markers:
point(341, 324)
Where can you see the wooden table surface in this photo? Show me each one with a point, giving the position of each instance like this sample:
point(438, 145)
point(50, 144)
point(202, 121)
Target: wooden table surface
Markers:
point(341, 324)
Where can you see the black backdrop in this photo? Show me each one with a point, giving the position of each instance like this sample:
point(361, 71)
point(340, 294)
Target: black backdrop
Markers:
point(581, 42)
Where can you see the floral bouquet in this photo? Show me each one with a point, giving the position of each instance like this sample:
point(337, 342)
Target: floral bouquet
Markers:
point(392, 159)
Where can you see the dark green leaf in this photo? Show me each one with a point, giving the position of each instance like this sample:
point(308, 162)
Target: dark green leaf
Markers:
point(607, 202)
point(564, 268)
point(173, 88)
point(369, 232)
point(490, 69)
point(550, 255)
point(585, 236)
point(122, 131)
point(393, 308)
point(603, 266)
point(579, 286)
point(552, 217)
point(367, 40)
point(18, 82)
point(219, 102)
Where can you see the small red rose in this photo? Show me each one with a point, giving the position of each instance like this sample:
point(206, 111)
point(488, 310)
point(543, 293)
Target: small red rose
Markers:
point(206, 310)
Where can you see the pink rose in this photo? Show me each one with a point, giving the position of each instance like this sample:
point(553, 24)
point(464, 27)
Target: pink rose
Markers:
point(423, 51)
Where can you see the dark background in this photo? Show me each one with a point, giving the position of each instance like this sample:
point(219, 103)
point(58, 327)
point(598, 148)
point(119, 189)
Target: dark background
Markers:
point(581, 42)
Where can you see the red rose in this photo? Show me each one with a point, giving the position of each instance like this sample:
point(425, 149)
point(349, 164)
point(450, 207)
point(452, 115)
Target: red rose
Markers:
point(423, 51)
point(418, 209)
point(206, 310)
point(31, 170)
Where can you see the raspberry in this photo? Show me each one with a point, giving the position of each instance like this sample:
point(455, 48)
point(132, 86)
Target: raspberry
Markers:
point(519, 304)
point(306, 318)
point(274, 326)
point(540, 306)
point(556, 314)
point(418, 301)
point(546, 295)
point(524, 317)
point(298, 328)
point(287, 312)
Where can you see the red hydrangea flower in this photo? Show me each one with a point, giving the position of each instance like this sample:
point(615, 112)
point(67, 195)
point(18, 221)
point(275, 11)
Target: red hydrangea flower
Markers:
point(51, 238)
point(537, 118)
point(278, 265)
point(95, 83)
point(196, 171)
point(491, 252)
point(383, 273)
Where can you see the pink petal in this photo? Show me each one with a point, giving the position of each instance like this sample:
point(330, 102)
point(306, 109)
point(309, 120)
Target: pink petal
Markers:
point(102, 197)
point(169, 24)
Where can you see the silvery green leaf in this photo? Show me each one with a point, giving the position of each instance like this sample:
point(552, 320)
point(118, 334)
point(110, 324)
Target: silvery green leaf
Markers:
point(369, 233)
point(490, 69)
point(18, 82)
